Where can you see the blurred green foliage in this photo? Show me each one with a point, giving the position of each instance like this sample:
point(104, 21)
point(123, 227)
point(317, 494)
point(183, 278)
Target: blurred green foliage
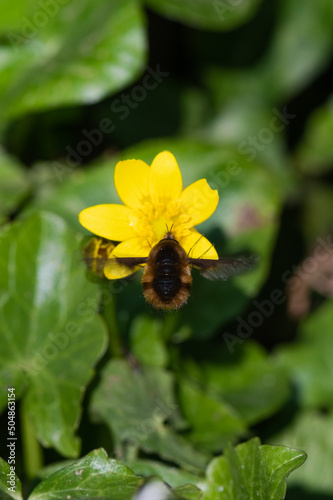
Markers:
point(240, 92)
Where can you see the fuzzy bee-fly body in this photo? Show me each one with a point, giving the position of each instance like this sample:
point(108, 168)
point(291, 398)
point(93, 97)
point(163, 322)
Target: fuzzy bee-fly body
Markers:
point(167, 279)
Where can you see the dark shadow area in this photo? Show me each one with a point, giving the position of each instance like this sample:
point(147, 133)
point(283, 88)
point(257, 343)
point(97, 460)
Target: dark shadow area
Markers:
point(299, 493)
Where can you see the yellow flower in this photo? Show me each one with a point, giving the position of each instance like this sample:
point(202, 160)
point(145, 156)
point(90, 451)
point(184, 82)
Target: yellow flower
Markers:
point(154, 204)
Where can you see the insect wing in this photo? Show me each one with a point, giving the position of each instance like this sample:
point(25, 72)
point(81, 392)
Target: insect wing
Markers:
point(120, 267)
point(114, 268)
point(96, 255)
point(223, 269)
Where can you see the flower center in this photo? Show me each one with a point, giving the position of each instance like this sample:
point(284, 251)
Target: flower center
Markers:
point(161, 226)
point(152, 223)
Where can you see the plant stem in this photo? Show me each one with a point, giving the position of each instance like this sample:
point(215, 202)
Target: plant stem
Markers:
point(32, 450)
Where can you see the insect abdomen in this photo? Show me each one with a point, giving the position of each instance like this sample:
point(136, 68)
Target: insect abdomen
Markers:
point(166, 282)
point(167, 278)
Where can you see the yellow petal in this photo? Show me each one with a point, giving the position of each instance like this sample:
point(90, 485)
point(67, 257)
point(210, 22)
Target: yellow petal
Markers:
point(199, 201)
point(114, 271)
point(197, 246)
point(134, 247)
point(131, 182)
point(165, 179)
point(108, 221)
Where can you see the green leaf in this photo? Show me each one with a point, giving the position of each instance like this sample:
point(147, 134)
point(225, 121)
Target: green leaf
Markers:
point(82, 52)
point(214, 423)
point(180, 480)
point(187, 492)
point(245, 378)
point(309, 361)
point(8, 479)
point(54, 467)
point(94, 476)
point(206, 14)
point(14, 184)
point(301, 46)
point(248, 119)
point(313, 432)
point(171, 475)
point(154, 489)
point(147, 343)
point(251, 471)
point(315, 152)
point(136, 405)
point(51, 334)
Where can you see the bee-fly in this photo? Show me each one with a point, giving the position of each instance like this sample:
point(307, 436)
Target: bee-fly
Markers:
point(167, 279)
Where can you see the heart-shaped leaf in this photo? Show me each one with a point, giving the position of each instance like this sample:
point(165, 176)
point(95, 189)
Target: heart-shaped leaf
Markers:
point(51, 334)
point(94, 476)
point(251, 471)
